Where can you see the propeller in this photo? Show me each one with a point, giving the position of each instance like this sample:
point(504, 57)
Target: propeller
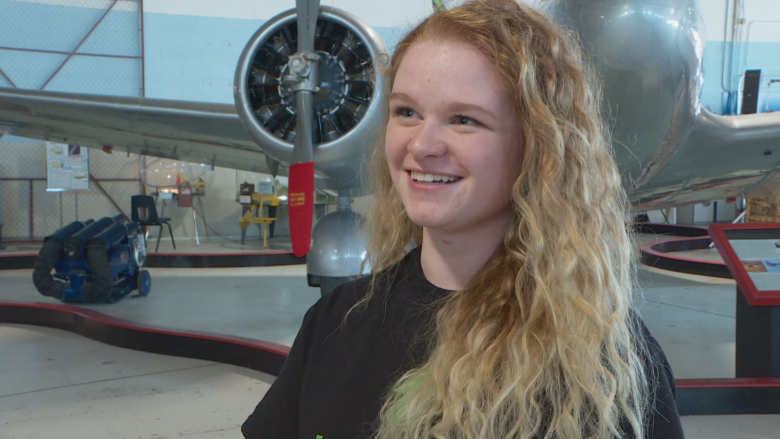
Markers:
point(303, 77)
point(314, 89)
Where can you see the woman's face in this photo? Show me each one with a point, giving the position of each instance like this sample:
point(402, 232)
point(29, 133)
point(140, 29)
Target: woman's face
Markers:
point(452, 139)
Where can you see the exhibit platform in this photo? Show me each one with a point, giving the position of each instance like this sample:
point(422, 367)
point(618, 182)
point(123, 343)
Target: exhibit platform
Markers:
point(680, 249)
point(212, 253)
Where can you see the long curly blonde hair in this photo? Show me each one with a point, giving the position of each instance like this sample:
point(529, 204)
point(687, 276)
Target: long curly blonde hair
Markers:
point(541, 342)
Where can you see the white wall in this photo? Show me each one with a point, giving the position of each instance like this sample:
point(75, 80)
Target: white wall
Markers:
point(396, 13)
point(715, 14)
point(403, 13)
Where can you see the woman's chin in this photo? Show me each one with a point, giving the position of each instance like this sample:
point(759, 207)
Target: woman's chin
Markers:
point(428, 221)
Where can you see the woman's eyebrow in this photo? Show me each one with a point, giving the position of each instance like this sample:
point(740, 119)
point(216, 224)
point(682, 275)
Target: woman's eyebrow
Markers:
point(401, 97)
point(463, 107)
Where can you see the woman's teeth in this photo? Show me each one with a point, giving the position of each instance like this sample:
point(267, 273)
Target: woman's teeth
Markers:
point(433, 178)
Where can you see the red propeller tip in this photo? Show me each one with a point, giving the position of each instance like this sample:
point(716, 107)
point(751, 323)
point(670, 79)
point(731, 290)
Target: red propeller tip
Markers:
point(301, 206)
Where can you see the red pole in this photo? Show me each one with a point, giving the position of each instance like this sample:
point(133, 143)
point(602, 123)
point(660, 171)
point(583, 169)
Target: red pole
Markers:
point(97, 183)
point(143, 55)
point(32, 226)
point(60, 52)
point(7, 78)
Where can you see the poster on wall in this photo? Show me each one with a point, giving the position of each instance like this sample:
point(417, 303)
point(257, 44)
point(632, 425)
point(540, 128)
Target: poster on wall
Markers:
point(67, 167)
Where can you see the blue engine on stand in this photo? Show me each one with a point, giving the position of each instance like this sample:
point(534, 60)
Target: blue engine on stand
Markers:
point(94, 261)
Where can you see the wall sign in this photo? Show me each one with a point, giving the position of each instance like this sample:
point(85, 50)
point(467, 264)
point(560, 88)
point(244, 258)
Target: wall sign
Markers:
point(67, 167)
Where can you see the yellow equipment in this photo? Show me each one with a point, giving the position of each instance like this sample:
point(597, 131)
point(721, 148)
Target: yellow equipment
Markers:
point(199, 186)
point(253, 204)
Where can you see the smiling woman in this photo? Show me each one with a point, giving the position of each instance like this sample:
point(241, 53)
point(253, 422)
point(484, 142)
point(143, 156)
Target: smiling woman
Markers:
point(512, 316)
point(453, 151)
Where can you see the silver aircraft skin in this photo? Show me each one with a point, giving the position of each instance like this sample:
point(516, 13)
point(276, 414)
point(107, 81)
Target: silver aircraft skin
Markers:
point(671, 150)
point(648, 53)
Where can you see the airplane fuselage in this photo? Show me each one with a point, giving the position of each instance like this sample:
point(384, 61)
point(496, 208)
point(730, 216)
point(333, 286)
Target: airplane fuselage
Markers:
point(648, 55)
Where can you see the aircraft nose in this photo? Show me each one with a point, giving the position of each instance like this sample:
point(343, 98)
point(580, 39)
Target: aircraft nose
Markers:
point(633, 34)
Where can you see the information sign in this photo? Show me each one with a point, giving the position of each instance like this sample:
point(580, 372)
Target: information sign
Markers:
point(67, 167)
point(752, 254)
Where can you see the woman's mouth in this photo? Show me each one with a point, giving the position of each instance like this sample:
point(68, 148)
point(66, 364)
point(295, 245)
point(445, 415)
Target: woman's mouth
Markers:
point(420, 177)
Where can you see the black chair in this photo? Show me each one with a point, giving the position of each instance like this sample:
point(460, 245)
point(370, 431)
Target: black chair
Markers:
point(147, 202)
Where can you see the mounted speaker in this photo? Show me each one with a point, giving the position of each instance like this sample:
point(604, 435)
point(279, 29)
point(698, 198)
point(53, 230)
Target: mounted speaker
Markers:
point(750, 92)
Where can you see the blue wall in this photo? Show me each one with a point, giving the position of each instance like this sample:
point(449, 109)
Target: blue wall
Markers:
point(194, 58)
point(35, 26)
point(764, 56)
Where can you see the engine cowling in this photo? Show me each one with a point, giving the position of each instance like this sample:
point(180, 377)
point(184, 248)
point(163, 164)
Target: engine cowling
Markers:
point(348, 107)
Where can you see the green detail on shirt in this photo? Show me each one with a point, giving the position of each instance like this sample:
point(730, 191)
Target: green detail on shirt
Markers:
point(404, 389)
point(319, 436)
point(408, 386)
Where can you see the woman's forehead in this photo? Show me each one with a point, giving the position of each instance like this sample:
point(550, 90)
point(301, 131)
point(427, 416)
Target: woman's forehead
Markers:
point(438, 61)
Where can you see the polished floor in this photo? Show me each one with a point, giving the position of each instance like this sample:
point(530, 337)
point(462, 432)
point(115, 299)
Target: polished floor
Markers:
point(214, 245)
point(57, 384)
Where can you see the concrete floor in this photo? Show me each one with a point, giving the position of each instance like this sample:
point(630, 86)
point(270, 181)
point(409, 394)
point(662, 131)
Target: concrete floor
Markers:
point(214, 245)
point(58, 384)
point(54, 383)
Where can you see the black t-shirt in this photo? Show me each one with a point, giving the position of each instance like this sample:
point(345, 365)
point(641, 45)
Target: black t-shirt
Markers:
point(334, 381)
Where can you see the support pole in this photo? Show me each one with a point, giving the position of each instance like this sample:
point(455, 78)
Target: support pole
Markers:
point(344, 201)
point(758, 339)
point(1, 223)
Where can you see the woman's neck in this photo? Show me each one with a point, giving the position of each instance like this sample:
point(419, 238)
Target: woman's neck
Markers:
point(449, 261)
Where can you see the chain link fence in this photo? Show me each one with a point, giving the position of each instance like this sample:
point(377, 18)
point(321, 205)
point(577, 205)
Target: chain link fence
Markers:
point(77, 46)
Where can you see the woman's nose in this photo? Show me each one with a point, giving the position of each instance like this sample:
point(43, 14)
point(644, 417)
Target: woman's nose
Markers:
point(428, 141)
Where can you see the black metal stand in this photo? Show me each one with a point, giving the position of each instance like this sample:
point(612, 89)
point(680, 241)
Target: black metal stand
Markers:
point(758, 339)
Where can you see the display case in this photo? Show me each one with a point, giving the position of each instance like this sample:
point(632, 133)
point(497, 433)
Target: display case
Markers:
point(752, 254)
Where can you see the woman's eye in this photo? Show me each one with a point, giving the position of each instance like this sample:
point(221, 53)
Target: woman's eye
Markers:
point(463, 120)
point(404, 112)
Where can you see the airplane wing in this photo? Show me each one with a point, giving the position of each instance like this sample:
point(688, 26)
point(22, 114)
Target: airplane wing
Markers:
point(189, 131)
point(723, 156)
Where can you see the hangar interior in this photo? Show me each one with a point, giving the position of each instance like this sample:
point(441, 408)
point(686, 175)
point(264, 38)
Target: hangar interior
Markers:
point(57, 382)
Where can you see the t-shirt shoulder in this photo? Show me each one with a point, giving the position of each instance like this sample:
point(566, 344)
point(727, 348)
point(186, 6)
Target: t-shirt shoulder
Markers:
point(347, 295)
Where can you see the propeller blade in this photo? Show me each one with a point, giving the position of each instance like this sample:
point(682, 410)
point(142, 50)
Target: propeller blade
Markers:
point(301, 179)
point(308, 11)
point(303, 145)
point(300, 203)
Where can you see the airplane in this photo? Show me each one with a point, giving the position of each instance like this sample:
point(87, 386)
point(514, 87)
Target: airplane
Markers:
point(318, 69)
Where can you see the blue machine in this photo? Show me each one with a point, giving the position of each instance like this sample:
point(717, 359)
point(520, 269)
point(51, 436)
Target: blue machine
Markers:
point(94, 261)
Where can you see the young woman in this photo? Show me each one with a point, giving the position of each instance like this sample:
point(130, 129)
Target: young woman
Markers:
point(512, 316)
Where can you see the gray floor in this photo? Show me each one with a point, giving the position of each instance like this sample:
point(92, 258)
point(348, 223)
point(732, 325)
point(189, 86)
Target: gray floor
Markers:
point(56, 384)
point(53, 383)
point(693, 321)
